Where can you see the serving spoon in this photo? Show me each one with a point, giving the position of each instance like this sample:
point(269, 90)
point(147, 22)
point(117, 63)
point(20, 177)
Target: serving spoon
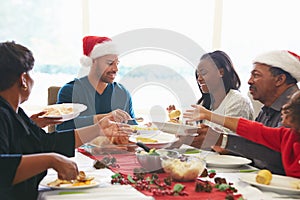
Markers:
point(143, 146)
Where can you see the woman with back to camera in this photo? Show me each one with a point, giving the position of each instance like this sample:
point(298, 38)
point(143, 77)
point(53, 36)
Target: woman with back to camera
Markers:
point(219, 85)
point(26, 150)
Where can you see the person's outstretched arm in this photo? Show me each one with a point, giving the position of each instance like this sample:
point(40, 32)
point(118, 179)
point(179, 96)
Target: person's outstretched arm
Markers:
point(33, 164)
point(201, 113)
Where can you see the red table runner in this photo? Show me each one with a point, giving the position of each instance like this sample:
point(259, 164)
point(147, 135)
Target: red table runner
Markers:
point(128, 162)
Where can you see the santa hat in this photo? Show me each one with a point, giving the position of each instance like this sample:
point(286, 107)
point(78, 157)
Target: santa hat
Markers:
point(94, 47)
point(286, 60)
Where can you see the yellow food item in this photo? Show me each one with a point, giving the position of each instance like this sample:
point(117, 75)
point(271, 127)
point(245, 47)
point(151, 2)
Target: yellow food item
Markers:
point(174, 114)
point(80, 180)
point(295, 184)
point(81, 183)
point(144, 128)
point(143, 139)
point(264, 176)
point(58, 182)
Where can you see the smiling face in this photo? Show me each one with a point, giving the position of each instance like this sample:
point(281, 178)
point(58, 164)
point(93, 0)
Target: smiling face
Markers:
point(105, 68)
point(209, 76)
point(262, 84)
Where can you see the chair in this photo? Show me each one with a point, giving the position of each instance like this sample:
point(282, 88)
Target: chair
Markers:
point(52, 98)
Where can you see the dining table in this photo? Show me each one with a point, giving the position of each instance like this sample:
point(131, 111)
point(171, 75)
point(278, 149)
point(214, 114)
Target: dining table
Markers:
point(126, 162)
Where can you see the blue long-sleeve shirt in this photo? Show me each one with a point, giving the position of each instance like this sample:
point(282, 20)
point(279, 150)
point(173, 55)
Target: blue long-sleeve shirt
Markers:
point(115, 96)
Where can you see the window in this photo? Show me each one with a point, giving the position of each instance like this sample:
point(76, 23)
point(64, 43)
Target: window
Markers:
point(53, 30)
point(156, 89)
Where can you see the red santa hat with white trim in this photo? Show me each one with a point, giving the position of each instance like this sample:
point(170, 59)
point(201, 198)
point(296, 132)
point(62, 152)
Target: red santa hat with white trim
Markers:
point(285, 60)
point(95, 47)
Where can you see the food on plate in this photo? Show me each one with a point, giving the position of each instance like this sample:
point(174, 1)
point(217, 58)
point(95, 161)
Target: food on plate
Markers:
point(80, 180)
point(58, 110)
point(146, 140)
point(58, 182)
point(264, 176)
point(174, 114)
point(184, 168)
point(144, 128)
point(295, 184)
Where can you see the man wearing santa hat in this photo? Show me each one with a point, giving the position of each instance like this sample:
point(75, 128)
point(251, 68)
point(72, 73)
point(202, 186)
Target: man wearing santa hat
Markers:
point(97, 90)
point(273, 80)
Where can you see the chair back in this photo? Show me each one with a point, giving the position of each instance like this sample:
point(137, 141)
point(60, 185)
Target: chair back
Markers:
point(52, 98)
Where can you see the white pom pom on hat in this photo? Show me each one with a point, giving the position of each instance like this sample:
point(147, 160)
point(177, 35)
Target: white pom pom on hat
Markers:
point(86, 61)
point(94, 47)
point(286, 60)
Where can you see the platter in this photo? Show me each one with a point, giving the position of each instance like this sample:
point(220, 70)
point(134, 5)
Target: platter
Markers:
point(226, 161)
point(65, 111)
point(175, 128)
point(279, 184)
point(162, 140)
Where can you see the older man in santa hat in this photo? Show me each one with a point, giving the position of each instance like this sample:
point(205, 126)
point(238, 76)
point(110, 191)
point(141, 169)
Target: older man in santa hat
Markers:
point(273, 80)
point(97, 90)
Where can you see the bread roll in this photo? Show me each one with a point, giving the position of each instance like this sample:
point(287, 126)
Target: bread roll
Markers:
point(174, 114)
point(264, 177)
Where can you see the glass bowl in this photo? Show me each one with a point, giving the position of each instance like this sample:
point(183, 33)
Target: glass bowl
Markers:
point(184, 168)
point(152, 162)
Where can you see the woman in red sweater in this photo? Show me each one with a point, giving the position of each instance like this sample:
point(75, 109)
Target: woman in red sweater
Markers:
point(284, 139)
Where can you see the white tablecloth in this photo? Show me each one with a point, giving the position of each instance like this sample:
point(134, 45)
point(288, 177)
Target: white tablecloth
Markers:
point(115, 192)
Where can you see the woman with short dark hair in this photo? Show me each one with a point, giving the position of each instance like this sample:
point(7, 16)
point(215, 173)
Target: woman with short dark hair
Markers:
point(26, 150)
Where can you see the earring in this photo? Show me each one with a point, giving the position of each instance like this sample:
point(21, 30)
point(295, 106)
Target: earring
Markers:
point(25, 87)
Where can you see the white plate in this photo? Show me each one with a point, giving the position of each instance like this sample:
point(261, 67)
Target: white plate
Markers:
point(163, 140)
point(47, 180)
point(279, 184)
point(77, 109)
point(226, 161)
point(175, 128)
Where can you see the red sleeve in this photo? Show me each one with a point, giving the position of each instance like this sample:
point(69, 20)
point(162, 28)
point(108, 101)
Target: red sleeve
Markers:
point(257, 132)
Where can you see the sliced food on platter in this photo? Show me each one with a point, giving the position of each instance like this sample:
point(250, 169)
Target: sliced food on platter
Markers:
point(226, 161)
point(279, 184)
point(65, 111)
